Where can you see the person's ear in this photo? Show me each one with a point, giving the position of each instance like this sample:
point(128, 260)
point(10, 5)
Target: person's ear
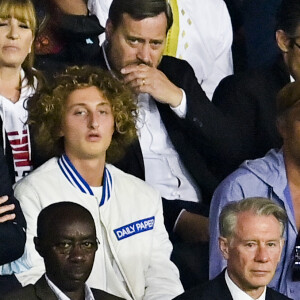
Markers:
point(224, 247)
point(283, 41)
point(38, 246)
point(109, 28)
point(281, 127)
point(60, 132)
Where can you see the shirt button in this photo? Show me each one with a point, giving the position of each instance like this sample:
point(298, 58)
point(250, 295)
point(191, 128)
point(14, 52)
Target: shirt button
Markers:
point(198, 122)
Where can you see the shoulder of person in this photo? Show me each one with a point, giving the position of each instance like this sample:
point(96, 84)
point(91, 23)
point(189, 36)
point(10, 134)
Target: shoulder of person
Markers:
point(102, 295)
point(168, 62)
point(125, 179)
point(24, 293)
point(275, 295)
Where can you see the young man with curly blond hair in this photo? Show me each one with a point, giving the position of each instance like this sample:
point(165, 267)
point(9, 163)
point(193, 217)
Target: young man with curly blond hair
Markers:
point(85, 120)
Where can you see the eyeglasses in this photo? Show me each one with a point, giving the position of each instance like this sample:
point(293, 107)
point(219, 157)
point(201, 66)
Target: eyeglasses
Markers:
point(86, 246)
point(295, 43)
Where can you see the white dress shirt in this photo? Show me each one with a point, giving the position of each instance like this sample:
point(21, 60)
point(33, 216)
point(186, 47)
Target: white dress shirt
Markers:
point(237, 293)
point(163, 167)
point(62, 296)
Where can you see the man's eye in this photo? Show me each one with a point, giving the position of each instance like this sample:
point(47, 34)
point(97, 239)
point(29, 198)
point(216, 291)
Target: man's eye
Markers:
point(80, 112)
point(133, 41)
point(3, 23)
point(87, 245)
point(156, 43)
point(64, 245)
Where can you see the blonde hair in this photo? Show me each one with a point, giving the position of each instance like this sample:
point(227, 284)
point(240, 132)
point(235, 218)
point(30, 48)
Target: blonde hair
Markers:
point(24, 11)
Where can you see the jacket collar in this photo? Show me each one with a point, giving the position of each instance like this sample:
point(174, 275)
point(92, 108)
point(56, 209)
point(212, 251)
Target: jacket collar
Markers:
point(73, 176)
point(271, 170)
point(43, 290)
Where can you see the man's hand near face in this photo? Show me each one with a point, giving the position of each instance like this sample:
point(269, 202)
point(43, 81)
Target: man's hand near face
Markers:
point(146, 79)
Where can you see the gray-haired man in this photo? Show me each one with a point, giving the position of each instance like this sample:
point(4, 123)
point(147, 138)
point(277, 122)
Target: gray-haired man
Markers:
point(251, 240)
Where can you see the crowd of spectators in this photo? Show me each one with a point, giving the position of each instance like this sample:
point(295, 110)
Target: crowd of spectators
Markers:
point(154, 116)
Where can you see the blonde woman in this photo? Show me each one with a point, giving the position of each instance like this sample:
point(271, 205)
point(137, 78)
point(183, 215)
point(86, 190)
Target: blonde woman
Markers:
point(18, 81)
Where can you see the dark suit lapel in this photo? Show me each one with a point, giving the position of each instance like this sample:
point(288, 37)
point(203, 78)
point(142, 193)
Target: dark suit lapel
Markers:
point(101, 295)
point(221, 287)
point(43, 290)
point(273, 295)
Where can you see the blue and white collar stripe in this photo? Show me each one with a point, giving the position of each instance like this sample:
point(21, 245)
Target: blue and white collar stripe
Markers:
point(73, 176)
point(78, 182)
point(107, 186)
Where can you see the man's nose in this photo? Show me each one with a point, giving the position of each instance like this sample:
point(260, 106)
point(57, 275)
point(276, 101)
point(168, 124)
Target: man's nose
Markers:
point(262, 254)
point(77, 253)
point(94, 120)
point(144, 53)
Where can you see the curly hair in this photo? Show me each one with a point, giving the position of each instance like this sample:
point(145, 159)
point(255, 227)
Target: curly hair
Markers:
point(47, 107)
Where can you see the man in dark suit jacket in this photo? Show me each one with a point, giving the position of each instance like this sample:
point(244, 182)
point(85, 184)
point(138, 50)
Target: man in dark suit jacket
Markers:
point(135, 56)
point(181, 133)
point(249, 98)
point(251, 240)
point(41, 291)
point(66, 239)
point(217, 289)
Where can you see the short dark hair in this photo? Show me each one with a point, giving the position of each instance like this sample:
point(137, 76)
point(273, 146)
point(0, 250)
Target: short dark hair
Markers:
point(46, 109)
point(56, 212)
point(139, 10)
point(288, 17)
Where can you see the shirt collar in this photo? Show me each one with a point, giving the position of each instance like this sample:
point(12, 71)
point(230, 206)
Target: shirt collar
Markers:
point(62, 296)
point(237, 293)
point(73, 176)
point(292, 79)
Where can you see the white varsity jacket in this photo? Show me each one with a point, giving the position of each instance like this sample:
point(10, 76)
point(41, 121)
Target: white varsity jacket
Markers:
point(132, 218)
